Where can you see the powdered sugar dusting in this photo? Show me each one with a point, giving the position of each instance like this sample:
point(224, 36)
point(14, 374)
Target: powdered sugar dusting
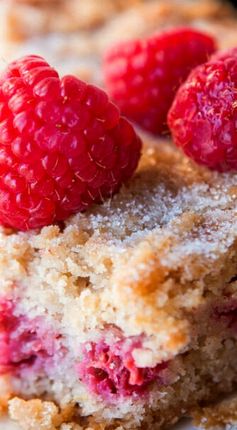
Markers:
point(164, 199)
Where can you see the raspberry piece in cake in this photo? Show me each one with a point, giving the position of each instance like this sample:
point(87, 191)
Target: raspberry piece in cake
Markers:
point(25, 343)
point(142, 76)
point(63, 145)
point(203, 116)
point(111, 372)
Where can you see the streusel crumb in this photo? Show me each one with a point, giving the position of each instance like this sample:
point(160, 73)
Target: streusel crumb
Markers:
point(35, 414)
point(218, 416)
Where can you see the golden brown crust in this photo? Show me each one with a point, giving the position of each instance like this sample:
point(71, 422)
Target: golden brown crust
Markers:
point(35, 414)
point(40, 415)
point(217, 416)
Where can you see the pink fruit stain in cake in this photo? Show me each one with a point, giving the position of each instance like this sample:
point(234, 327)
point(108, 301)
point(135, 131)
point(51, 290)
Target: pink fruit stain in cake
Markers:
point(110, 370)
point(24, 342)
point(227, 313)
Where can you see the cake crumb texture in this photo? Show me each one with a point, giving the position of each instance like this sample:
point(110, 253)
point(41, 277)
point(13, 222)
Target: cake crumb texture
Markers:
point(36, 414)
point(218, 416)
point(41, 415)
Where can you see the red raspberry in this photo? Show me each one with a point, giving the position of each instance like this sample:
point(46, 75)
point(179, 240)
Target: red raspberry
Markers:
point(110, 370)
point(203, 116)
point(63, 145)
point(25, 343)
point(142, 76)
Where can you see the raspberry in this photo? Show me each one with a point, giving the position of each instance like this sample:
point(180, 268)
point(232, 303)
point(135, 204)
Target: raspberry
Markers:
point(203, 116)
point(110, 370)
point(142, 76)
point(24, 342)
point(63, 145)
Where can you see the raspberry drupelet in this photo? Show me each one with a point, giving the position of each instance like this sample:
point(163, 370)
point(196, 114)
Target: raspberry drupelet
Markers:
point(142, 76)
point(203, 116)
point(63, 145)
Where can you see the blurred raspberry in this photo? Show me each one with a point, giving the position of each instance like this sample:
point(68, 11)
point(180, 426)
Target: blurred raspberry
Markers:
point(203, 116)
point(63, 145)
point(142, 76)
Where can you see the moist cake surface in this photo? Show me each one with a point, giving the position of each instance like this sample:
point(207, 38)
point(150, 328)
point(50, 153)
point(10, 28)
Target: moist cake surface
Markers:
point(126, 315)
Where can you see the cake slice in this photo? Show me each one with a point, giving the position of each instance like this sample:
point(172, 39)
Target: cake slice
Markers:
point(125, 317)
